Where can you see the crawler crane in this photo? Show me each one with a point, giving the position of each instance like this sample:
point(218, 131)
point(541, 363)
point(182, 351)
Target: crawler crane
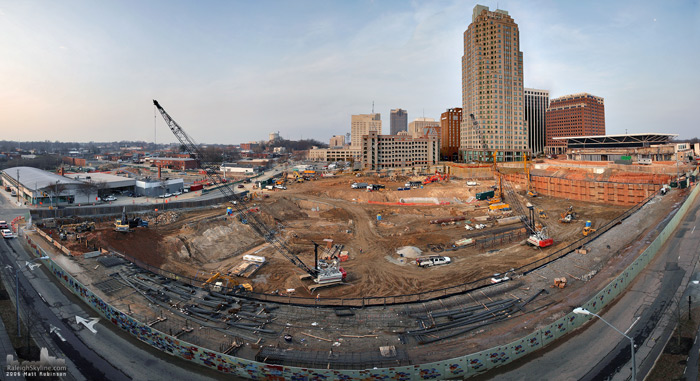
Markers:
point(244, 213)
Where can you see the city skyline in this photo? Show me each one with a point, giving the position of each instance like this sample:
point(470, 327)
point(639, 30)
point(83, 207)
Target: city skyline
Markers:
point(233, 72)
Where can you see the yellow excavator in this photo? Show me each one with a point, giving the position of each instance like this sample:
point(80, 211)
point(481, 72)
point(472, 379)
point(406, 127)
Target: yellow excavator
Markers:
point(231, 283)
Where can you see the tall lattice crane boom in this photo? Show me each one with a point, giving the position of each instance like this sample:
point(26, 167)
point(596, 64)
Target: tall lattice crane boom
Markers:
point(251, 218)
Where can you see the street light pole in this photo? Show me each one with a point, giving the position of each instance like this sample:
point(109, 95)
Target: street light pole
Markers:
point(17, 288)
point(583, 311)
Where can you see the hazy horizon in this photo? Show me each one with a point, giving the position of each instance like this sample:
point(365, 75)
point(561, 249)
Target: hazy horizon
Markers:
point(230, 72)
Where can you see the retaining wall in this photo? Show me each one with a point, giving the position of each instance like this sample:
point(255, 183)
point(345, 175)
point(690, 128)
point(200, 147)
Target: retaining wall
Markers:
point(591, 191)
point(460, 367)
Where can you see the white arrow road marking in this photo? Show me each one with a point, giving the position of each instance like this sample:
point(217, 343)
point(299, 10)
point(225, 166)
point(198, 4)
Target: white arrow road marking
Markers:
point(32, 266)
point(55, 330)
point(89, 324)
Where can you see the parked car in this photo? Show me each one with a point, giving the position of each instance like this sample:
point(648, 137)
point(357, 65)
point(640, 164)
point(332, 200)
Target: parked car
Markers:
point(3, 225)
point(7, 233)
point(241, 186)
point(177, 193)
point(165, 195)
point(110, 198)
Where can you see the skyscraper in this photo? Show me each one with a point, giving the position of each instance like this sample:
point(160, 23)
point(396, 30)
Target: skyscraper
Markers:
point(450, 122)
point(399, 121)
point(492, 86)
point(579, 114)
point(536, 103)
point(361, 125)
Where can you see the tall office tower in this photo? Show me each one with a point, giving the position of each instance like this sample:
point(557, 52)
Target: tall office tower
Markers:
point(492, 87)
point(337, 141)
point(361, 125)
point(423, 127)
point(579, 114)
point(536, 103)
point(450, 123)
point(399, 121)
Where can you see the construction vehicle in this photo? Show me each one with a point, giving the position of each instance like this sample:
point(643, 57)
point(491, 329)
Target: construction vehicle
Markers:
point(230, 283)
point(542, 214)
point(588, 229)
point(122, 224)
point(435, 178)
point(539, 236)
point(568, 215)
point(333, 273)
point(530, 190)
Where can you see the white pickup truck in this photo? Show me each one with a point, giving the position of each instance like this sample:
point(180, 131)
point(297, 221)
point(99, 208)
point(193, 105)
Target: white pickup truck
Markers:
point(432, 260)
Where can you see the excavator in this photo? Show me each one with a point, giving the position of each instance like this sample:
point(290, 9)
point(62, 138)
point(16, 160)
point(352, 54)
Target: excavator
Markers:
point(332, 274)
point(230, 283)
point(122, 224)
point(568, 215)
point(539, 237)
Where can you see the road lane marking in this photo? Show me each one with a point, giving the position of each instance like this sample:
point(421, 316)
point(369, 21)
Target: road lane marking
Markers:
point(693, 229)
point(635, 322)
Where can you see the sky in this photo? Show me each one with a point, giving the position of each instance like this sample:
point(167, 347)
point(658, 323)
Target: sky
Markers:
point(234, 71)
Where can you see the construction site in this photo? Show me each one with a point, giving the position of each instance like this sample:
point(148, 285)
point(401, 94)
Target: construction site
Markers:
point(359, 270)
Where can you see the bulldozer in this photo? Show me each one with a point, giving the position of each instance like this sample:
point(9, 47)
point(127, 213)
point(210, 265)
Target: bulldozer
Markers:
point(588, 229)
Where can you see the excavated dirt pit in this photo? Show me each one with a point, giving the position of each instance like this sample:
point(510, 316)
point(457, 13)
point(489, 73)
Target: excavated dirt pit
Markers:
point(204, 242)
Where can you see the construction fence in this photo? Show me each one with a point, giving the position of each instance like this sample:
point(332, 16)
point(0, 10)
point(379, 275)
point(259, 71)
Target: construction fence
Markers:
point(459, 367)
point(105, 210)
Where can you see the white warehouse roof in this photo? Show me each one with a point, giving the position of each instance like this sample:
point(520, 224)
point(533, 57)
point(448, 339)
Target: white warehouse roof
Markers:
point(35, 178)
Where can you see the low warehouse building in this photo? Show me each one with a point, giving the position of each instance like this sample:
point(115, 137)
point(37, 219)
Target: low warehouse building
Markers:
point(37, 187)
point(105, 183)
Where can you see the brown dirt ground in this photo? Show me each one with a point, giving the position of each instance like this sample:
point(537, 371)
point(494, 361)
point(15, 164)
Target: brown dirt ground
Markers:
point(329, 208)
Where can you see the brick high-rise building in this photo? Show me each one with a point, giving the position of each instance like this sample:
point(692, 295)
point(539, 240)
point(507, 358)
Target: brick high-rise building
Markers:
point(492, 87)
point(399, 121)
point(450, 124)
point(536, 103)
point(361, 125)
point(579, 114)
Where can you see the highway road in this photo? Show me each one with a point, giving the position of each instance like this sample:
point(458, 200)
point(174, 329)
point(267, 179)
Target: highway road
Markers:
point(109, 354)
point(598, 352)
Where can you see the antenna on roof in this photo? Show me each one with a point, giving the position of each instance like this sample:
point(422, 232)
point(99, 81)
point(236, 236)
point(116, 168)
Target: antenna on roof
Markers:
point(372, 107)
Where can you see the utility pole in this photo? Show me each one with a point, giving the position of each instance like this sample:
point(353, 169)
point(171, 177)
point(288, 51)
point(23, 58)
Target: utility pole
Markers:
point(18, 185)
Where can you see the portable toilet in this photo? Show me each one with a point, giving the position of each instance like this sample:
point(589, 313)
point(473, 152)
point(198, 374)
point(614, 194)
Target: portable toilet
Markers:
point(229, 211)
point(588, 224)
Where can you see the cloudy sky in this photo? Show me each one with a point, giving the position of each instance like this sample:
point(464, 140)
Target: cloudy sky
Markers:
point(233, 71)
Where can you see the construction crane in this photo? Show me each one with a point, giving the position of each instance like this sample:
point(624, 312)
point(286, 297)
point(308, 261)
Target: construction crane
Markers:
point(243, 213)
point(494, 155)
point(530, 191)
point(539, 237)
